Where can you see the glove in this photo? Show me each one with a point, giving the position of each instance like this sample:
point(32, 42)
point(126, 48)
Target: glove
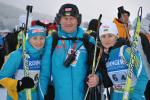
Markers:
point(25, 83)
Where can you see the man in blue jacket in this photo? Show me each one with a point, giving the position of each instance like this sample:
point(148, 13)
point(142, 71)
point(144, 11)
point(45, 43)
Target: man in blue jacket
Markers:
point(68, 78)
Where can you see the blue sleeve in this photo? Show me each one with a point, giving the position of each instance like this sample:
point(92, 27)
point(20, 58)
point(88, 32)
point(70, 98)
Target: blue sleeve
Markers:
point(139, 88)
point(11, 65)
point(45, 72)
point(92, 40)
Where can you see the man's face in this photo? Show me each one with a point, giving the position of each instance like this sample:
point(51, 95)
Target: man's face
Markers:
point(126, 18)
point(68, 23)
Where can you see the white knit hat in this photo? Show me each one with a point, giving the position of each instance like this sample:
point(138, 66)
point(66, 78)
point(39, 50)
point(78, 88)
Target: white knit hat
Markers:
point(106, 28)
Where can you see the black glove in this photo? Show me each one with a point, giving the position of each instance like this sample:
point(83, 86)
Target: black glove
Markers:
point(24, 83)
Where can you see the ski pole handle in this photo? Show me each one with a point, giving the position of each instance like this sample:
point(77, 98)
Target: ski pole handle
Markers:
point(29, 10)
point(99, 22)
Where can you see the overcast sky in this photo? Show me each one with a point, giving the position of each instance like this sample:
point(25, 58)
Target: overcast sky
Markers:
point(88, 8)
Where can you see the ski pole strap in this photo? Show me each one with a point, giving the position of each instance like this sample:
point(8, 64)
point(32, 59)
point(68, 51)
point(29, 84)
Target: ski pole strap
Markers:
point(108, 93)
point(140, 12)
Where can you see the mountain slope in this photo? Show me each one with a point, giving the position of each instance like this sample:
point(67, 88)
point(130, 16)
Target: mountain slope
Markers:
point(9, 16)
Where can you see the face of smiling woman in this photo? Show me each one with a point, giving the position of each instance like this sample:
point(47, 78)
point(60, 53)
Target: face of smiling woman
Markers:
point(108, 40)
point(37, 42)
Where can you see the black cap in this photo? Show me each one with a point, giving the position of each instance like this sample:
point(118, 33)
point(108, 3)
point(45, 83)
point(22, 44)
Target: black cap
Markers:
point(69, 9)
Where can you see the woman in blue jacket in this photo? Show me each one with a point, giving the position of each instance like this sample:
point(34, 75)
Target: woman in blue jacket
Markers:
point(12, 73)
point(117, 60)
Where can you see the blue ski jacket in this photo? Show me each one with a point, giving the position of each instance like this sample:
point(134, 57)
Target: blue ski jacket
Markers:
point(117, 67)
point(68, 81)
point(13, 69)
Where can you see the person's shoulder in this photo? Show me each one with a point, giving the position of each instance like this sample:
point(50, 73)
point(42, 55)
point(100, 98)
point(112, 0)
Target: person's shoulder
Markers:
point(49, 38)
point(48, 41)
point(117, 22)
point(80, 32)
point(17, 54)
point(81, 29)
point(126, 48)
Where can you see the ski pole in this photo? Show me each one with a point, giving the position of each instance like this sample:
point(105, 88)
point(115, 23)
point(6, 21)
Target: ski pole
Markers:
point(133, 57)
point(25, 55)
point(94, 59)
